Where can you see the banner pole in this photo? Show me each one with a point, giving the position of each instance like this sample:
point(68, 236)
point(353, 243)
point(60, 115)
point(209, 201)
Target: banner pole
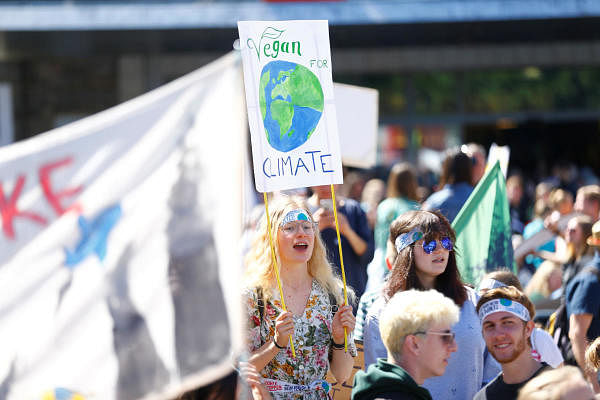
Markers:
point(337, 230)
point(275, 267)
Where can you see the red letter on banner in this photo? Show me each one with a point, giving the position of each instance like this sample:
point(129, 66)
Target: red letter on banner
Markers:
point(52, 197)
point(9, 209)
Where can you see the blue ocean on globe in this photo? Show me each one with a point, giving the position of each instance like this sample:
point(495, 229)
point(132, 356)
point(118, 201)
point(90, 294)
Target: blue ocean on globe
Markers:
point(291, 102)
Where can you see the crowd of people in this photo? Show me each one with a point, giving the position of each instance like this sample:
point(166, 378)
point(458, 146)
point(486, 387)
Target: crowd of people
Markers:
point(426, 334)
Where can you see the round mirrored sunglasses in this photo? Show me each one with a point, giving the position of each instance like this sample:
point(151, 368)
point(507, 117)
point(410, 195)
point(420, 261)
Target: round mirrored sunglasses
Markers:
point(430, 246)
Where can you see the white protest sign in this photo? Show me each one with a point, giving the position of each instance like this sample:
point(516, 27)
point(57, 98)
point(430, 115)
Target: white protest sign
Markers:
point(499, 153)
point(290, 100)
point(357, 112)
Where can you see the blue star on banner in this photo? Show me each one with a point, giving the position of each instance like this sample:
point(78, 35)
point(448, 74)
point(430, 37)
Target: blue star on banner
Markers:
point(94, 234)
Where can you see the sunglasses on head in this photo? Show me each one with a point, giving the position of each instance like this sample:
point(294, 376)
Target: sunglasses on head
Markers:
point(430, 246)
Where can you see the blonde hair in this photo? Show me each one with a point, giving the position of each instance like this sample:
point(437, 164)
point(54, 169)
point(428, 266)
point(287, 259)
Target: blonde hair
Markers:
point(260, 272)
point(412, 311)
point(592, 355)
point(558, 197)
point(552, 384)
point(539, 281)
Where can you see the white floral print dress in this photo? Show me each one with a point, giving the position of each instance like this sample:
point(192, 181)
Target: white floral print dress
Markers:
point(312, 341)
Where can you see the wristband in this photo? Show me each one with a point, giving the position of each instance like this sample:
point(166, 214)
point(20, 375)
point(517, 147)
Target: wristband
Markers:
point(277, 345)
point(337, 346)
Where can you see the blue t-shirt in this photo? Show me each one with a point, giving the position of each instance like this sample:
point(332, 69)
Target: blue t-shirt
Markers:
point(449, 200)
point(583, 297)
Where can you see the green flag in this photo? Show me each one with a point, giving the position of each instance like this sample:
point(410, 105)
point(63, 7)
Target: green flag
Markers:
point(483, 234)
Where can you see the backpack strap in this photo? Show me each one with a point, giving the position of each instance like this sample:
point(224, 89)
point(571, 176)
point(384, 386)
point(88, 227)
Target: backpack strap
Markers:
point(261, 310)
point(261, 303)
point(333, 302)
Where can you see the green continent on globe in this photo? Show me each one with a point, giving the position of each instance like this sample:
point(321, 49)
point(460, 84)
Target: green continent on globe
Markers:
point(302, 86)
point(264, 79)
point(303, 89)
point(282, 112)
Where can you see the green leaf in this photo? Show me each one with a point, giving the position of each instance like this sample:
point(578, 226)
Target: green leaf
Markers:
point(271, 33)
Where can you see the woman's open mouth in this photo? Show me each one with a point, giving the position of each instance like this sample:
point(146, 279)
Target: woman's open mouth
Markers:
point(301, 246)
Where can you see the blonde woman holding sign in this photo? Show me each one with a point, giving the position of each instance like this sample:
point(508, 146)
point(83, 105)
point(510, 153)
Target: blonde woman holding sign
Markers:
point(315, 318)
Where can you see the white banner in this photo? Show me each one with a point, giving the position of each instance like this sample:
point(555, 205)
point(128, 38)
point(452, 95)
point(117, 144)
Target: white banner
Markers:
point(358, 115)
point(120, 235)
point(290, 99)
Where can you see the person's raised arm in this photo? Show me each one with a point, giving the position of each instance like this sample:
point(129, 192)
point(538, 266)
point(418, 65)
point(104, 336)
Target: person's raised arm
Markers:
point(341, 361)
point(284, 327)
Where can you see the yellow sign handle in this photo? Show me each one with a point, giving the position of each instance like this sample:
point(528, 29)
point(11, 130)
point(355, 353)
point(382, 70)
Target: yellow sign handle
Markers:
point(337, 230)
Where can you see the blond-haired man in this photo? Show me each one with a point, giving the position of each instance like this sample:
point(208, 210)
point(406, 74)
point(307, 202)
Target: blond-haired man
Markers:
point(415, 328)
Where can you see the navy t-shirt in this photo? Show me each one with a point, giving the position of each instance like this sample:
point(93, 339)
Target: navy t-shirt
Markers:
point(583, 297)
point(355, 266)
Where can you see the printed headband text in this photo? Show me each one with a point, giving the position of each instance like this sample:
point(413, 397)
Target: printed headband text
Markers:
point(295, 215)
point(506, 305)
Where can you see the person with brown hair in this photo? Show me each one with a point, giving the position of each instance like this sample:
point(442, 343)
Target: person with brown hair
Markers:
point(587, 201)
point(543, 347)
point(583, 307)
point(422, 256)
point(455, 184)
point(401, 197)
point(506, 316)
point(577, 252)
point(314, 318)
point(592, 356)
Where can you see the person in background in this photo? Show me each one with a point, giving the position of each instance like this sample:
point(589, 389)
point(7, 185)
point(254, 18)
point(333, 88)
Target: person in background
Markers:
point(357, 239)
point(371, 196)
point(592, 356)
point(423, 258)
point(354, 182)
point(514, 192)
point(543, 347)
point(316, 316)
point(401, 197)
point(564, 383)
point(478, 156)
point(587, 201)
point(455, 183)
point(545, 283)
point(547, 201)
point(506, 316)
point(582, 296)
point(577, 252)
point(415, 327)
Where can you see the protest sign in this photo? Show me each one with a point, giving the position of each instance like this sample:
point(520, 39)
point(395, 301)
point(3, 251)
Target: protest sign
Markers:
point(119, 233)
point(290, 100)
point(483, 234)
point(357, 112)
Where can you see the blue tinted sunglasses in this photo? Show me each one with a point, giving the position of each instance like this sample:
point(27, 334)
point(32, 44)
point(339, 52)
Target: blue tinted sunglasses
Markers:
point(429, 247)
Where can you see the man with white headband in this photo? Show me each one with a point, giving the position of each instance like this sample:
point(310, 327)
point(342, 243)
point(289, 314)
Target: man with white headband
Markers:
point(506, 321)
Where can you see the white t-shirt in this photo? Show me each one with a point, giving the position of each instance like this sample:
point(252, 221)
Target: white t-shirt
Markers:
point(544, 349)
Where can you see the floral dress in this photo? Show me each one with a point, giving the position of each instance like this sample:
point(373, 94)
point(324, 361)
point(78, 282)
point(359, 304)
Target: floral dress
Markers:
point(312, 342)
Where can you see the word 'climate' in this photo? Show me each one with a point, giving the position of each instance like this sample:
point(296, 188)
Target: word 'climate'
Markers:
point(310, 162)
